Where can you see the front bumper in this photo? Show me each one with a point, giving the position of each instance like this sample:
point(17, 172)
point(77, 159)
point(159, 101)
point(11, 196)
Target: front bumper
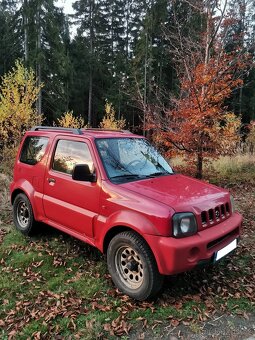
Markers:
point(179, 255)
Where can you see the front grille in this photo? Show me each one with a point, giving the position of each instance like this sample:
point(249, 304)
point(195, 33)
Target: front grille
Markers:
point(215, 215)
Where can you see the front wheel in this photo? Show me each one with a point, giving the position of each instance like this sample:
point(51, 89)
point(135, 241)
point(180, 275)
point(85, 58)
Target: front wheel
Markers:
point(133, 267)
point(23, 214)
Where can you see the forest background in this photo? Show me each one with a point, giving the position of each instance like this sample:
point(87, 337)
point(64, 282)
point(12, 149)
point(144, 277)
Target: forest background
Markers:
point(181, 72)
point(117, 49)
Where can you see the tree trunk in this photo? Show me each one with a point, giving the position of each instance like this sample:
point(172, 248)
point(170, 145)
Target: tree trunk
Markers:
point(91, 14)
point(38, 61)
point(127, 30)
point(25, 22)
point(240, 101)
point(145, 83)
point(90, 97)
point(199, 173)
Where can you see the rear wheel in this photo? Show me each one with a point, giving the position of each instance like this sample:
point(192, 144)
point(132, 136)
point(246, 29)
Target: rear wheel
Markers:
point(133, 267)
point(23, 214)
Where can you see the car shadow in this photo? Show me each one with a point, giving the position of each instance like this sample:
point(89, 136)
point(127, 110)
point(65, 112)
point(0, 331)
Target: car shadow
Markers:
point(46, 233)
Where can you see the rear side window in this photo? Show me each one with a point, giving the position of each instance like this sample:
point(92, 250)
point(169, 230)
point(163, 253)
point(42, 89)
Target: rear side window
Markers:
point(69, 153)
point(33, 150)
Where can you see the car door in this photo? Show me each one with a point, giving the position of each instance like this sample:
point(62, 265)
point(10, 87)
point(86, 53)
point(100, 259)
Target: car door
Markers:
point(69, 203)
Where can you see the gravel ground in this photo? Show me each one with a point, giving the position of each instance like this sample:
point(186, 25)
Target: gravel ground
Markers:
point(225, 327)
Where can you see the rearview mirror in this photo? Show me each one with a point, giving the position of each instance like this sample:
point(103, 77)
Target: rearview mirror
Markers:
point(81, 172)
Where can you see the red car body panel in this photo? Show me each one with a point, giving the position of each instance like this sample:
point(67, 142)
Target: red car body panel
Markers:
point(90, 210)
point(184, 194)
point(178, 255)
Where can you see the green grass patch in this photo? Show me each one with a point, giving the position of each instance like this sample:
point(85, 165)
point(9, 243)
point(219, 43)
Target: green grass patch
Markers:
point(191, 309)
point(4, 335)
point(33, 327)
point(10, 285)
point(244, 261)
point(88, 286)
point(21, 259)
point(187, 310)
point(240, 305)
point(13, 238)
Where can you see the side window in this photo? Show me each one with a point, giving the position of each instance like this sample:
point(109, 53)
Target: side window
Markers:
point(68, 154)
point(33, 150)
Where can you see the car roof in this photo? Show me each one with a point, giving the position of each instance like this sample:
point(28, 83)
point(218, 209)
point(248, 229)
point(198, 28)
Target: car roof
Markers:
point(88, 132)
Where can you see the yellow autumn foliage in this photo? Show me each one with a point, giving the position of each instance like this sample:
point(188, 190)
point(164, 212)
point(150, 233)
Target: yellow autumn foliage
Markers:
point(251, 135)
point(109, 121)
point(18, 94)
point(251, 138)
point(68, 120)
point(229, 135)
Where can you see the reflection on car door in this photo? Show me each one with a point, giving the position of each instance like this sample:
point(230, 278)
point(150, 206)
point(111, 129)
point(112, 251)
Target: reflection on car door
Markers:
point(72, 204)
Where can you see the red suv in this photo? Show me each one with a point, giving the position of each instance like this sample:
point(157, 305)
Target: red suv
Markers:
point(113, 190)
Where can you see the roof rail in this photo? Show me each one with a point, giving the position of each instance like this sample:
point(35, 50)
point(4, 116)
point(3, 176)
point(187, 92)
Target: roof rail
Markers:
point(73, 130)
point(110, 130)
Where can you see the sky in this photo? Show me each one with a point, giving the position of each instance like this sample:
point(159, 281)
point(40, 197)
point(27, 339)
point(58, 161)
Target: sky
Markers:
point(66, 4)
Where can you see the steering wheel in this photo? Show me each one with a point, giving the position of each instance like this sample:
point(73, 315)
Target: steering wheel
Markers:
point(136, 162)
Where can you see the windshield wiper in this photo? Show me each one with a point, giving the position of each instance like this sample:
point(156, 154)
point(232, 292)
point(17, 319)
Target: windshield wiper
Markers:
point(127, 175)
point(162, 173)
point(155, 174)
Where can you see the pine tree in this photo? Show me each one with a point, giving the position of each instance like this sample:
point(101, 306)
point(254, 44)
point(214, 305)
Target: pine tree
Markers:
point(79, 86)
point(240, 36)
point(46, 41)
point(152, 68)
point(10, 39)
point(86, 13)
point(101, 31)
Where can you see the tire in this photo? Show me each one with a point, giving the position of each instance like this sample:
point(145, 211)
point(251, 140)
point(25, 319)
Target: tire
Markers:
point(23, 216)
point(133, 267)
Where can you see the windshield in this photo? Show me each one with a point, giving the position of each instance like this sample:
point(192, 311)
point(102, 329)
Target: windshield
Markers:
point(129, 159)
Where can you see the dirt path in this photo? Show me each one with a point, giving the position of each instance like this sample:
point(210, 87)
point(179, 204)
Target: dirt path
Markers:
point(225, 327)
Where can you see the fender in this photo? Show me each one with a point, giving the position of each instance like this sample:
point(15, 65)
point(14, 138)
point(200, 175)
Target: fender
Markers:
point(124, 218)
point(34, 197)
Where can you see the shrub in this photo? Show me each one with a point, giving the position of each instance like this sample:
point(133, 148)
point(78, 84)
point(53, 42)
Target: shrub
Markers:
point(109, 121)
point(251, 138)
point(18, 95)
point(68, 120)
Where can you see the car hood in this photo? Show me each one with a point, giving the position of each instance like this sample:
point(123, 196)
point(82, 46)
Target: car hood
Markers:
point(180, 192)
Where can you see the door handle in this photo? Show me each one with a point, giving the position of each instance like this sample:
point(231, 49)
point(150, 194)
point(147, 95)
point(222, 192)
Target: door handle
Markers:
point(51, 180)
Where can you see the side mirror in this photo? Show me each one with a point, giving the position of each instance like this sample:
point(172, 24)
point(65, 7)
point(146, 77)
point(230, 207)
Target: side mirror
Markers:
point(81, 172)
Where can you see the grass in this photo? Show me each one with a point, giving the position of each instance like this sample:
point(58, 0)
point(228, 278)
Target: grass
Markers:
point(236, 169)
point(229, 170)
point(235, 164)
point(52, 285)
point(238, 305)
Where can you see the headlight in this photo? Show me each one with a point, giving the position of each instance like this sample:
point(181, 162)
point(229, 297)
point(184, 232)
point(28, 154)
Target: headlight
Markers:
point(184, 224)
point(233, 208)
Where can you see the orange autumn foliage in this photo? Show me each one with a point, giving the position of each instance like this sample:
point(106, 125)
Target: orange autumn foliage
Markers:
point(199, 123)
